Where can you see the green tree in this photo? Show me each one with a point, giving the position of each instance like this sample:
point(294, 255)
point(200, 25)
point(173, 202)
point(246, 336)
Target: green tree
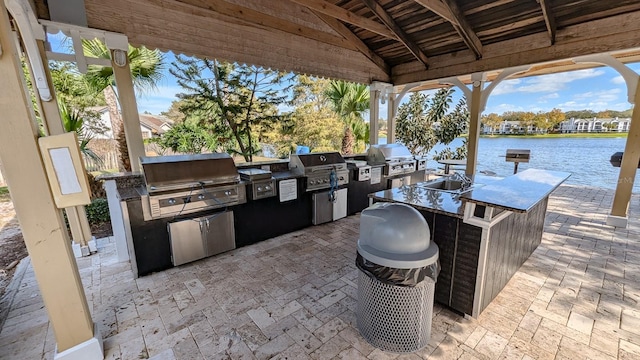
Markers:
point(312, 123)
point(351, 101)
point(72, 121)
point(423, 122)
point(555, 116)
point(146, 70)
point(580, 114)
point(527, 120)
point(493, 121)
point(174, 112)
point(230, 100)
point(186, 137)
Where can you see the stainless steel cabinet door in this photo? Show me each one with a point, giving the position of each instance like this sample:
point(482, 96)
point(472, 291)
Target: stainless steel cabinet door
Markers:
point(186, 241)
point(219, 233)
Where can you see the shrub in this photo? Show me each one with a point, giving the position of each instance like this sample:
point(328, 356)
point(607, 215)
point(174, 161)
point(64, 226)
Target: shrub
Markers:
point(98, 211)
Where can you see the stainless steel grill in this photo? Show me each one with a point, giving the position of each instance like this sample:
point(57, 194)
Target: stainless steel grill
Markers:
point(396, 158)
point(261, 183)
point(183, 184)
point(317, 169)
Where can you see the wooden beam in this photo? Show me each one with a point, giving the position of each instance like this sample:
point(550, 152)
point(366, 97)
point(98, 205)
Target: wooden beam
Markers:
point(43, 228)
point(449, 10)
point(168, 25)
point(439, 8)
point(347, 16)
point(341, 29)
point(382, 14)
point(549, 20)
point(616, 33)
point(250, 17)
point(629, 165)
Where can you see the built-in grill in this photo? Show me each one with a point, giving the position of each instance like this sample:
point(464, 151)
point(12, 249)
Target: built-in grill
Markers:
point(183, 184)
point(397, 158)
point(261, 183)
point(362, 171)
point(517, 156)
point(318, 169)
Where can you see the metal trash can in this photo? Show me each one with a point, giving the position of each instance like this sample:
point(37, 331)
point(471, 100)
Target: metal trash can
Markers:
point(398, 269)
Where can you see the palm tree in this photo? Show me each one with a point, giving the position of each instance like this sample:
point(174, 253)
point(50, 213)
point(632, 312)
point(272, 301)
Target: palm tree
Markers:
point(350, 101)
point(72, 120)
point(146, 70)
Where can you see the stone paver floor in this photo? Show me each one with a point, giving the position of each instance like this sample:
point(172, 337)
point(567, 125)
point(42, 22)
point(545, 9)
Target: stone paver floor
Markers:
point(293, 297)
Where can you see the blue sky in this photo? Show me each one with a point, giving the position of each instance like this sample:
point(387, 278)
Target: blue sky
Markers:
point(595, 89)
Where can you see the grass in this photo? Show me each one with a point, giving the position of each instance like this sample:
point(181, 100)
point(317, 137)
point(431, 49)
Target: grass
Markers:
point(4, 194)
point(551, 136)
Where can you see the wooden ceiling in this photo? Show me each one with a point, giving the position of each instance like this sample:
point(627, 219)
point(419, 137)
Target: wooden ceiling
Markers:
point(396, 41)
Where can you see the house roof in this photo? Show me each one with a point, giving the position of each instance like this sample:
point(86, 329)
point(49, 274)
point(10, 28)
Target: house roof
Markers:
point(393, 41)
point(155, 123)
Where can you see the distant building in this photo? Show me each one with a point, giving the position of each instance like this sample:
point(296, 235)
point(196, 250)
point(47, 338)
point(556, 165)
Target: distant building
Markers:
point(595, 125)
point(568, 126)
point(150, 125)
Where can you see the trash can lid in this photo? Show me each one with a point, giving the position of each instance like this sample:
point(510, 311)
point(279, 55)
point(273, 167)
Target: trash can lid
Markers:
point(396, 235)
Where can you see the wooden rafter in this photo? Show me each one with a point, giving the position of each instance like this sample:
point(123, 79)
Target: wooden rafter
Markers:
point(347, 16)
point(382, 14)
point(246, 16)
point(341, 29)
point(450, 11)
point(549, 20)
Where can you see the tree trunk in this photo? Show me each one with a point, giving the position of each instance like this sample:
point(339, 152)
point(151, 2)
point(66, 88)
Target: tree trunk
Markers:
point(117, 128)
point(348, 141)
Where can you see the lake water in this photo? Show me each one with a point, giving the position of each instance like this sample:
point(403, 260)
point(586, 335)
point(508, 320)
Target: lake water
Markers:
point(587, 159)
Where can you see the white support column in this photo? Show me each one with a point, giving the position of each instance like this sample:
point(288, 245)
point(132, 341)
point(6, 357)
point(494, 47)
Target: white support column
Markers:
point(392, 107)
point(374, 114)
point(41, 222)
point(475, 110)
point(620, 208)
point(130, 117)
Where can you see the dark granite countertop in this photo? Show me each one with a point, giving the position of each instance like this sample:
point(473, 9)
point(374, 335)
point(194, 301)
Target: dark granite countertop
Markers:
point(131, 193)
point(423, 198)
point(519, 192)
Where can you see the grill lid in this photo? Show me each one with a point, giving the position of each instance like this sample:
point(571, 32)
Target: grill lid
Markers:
point(301, 163)
point(380, 154)
point(179, 171)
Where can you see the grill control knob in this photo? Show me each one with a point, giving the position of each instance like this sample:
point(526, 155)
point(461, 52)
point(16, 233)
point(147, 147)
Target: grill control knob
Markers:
point(341, 178)
point(201, 197)
point(326, 180)
point(171, 201)
point(267, 188)
point(228, 192)
point(259, 188)
point(312, 182)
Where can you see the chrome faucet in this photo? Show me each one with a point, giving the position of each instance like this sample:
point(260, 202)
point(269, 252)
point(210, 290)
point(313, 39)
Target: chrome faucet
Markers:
point(465, 181)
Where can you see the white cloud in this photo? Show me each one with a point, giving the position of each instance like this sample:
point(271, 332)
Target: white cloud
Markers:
point(499, 109)
point(545, 83)
point(618, 80)
point(554, 95)
point(602, 95)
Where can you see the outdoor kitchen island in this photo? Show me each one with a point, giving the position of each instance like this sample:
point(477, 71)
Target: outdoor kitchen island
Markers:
point(484, 233)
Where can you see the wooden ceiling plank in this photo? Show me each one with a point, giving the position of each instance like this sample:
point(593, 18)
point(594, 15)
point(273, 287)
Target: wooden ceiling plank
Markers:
point(598, 36)
point(382, 14)
point(347, 16)
point(439, 8)
point(249, 17)
point(341, 29)
point(549, 19)
point(450, 10)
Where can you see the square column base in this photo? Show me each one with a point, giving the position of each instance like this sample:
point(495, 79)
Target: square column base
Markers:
point(89, 350)
point(617, 221)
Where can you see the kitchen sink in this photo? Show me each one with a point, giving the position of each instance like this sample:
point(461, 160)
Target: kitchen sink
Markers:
point(447, 185)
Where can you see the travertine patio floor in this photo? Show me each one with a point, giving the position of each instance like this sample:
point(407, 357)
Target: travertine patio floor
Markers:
point(293, 297)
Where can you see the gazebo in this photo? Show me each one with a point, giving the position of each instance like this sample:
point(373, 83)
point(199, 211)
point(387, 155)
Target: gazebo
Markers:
point(396, 46)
